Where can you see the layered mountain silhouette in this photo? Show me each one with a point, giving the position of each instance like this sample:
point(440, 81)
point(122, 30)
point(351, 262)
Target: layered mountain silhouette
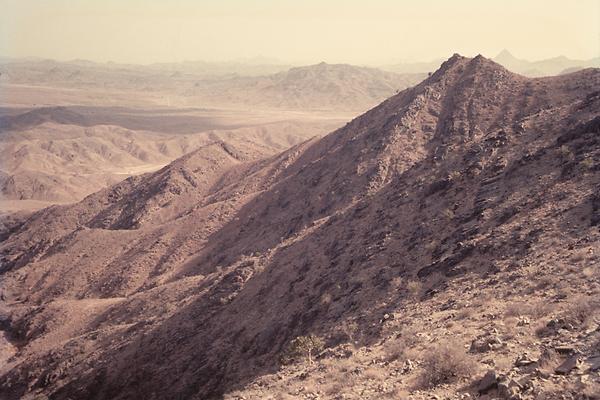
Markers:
point(320, 86)
point(190, 282)
point(546, 67)
point(313, 87)
point(539, 68)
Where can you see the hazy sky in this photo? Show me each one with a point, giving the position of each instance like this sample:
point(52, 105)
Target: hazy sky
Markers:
point(302, 31)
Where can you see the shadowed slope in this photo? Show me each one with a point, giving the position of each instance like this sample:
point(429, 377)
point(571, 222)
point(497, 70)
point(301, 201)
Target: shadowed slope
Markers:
point(205, 270)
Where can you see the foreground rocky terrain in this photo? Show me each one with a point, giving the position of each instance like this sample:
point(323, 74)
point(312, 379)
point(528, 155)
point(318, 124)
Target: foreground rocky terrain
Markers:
point(444, 244)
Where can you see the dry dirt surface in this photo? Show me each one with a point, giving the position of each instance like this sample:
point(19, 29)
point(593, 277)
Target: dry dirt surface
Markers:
point(442, 245)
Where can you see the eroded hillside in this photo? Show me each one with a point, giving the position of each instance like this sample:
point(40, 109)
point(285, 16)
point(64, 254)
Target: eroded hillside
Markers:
point(460, 211)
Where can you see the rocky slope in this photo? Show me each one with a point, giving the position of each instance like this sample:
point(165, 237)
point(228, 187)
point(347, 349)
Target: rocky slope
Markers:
point(441, 234)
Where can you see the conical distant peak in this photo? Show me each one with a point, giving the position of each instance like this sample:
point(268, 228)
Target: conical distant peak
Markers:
point(505, 54)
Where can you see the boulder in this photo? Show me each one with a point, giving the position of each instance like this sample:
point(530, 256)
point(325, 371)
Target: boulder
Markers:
point(594, 363)
point(568, 365)
point(524, 360)
point(564, 349)
point(488, 382)
point(485, 344)
point(508, 391)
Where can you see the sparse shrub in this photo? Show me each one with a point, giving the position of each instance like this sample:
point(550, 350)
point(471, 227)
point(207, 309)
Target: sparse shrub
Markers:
point(396, 349)
point(302, 348)
point(448, 213)
point(337, 365)
point(431, 246)
point(545, 282)
point(572, 390)
point(403, 346)
point(588, 272)
point(396, 282)
point(474, 170)
point(372, 373)
point(535, 309)
point(463, 313)
point(332, 389)
point(414, 289)
point(566, 153)
point(578, 314)
point(446, 363)
point(587, 163)
point(454, 175)
point(581, 310)
point(326, 299)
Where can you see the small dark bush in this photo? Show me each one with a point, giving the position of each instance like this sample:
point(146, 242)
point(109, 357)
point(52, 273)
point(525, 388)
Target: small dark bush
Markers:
point(302, 348)
point(446, 363)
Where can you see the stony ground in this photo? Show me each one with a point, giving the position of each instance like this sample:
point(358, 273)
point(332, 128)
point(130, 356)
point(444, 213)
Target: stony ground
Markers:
point(487, 339)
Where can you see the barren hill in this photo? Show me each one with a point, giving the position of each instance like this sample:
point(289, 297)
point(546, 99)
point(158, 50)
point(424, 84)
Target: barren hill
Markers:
point(320, 86)
point(314, 87)
point(432, 216)
point(61, 154)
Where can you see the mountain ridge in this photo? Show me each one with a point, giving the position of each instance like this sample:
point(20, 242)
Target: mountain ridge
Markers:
point(200, 301)
point(546, 67)
point(316, 87)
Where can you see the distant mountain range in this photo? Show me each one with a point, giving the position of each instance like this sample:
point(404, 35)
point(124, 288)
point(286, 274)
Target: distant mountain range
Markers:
point(320, 86)
point(551, 66)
